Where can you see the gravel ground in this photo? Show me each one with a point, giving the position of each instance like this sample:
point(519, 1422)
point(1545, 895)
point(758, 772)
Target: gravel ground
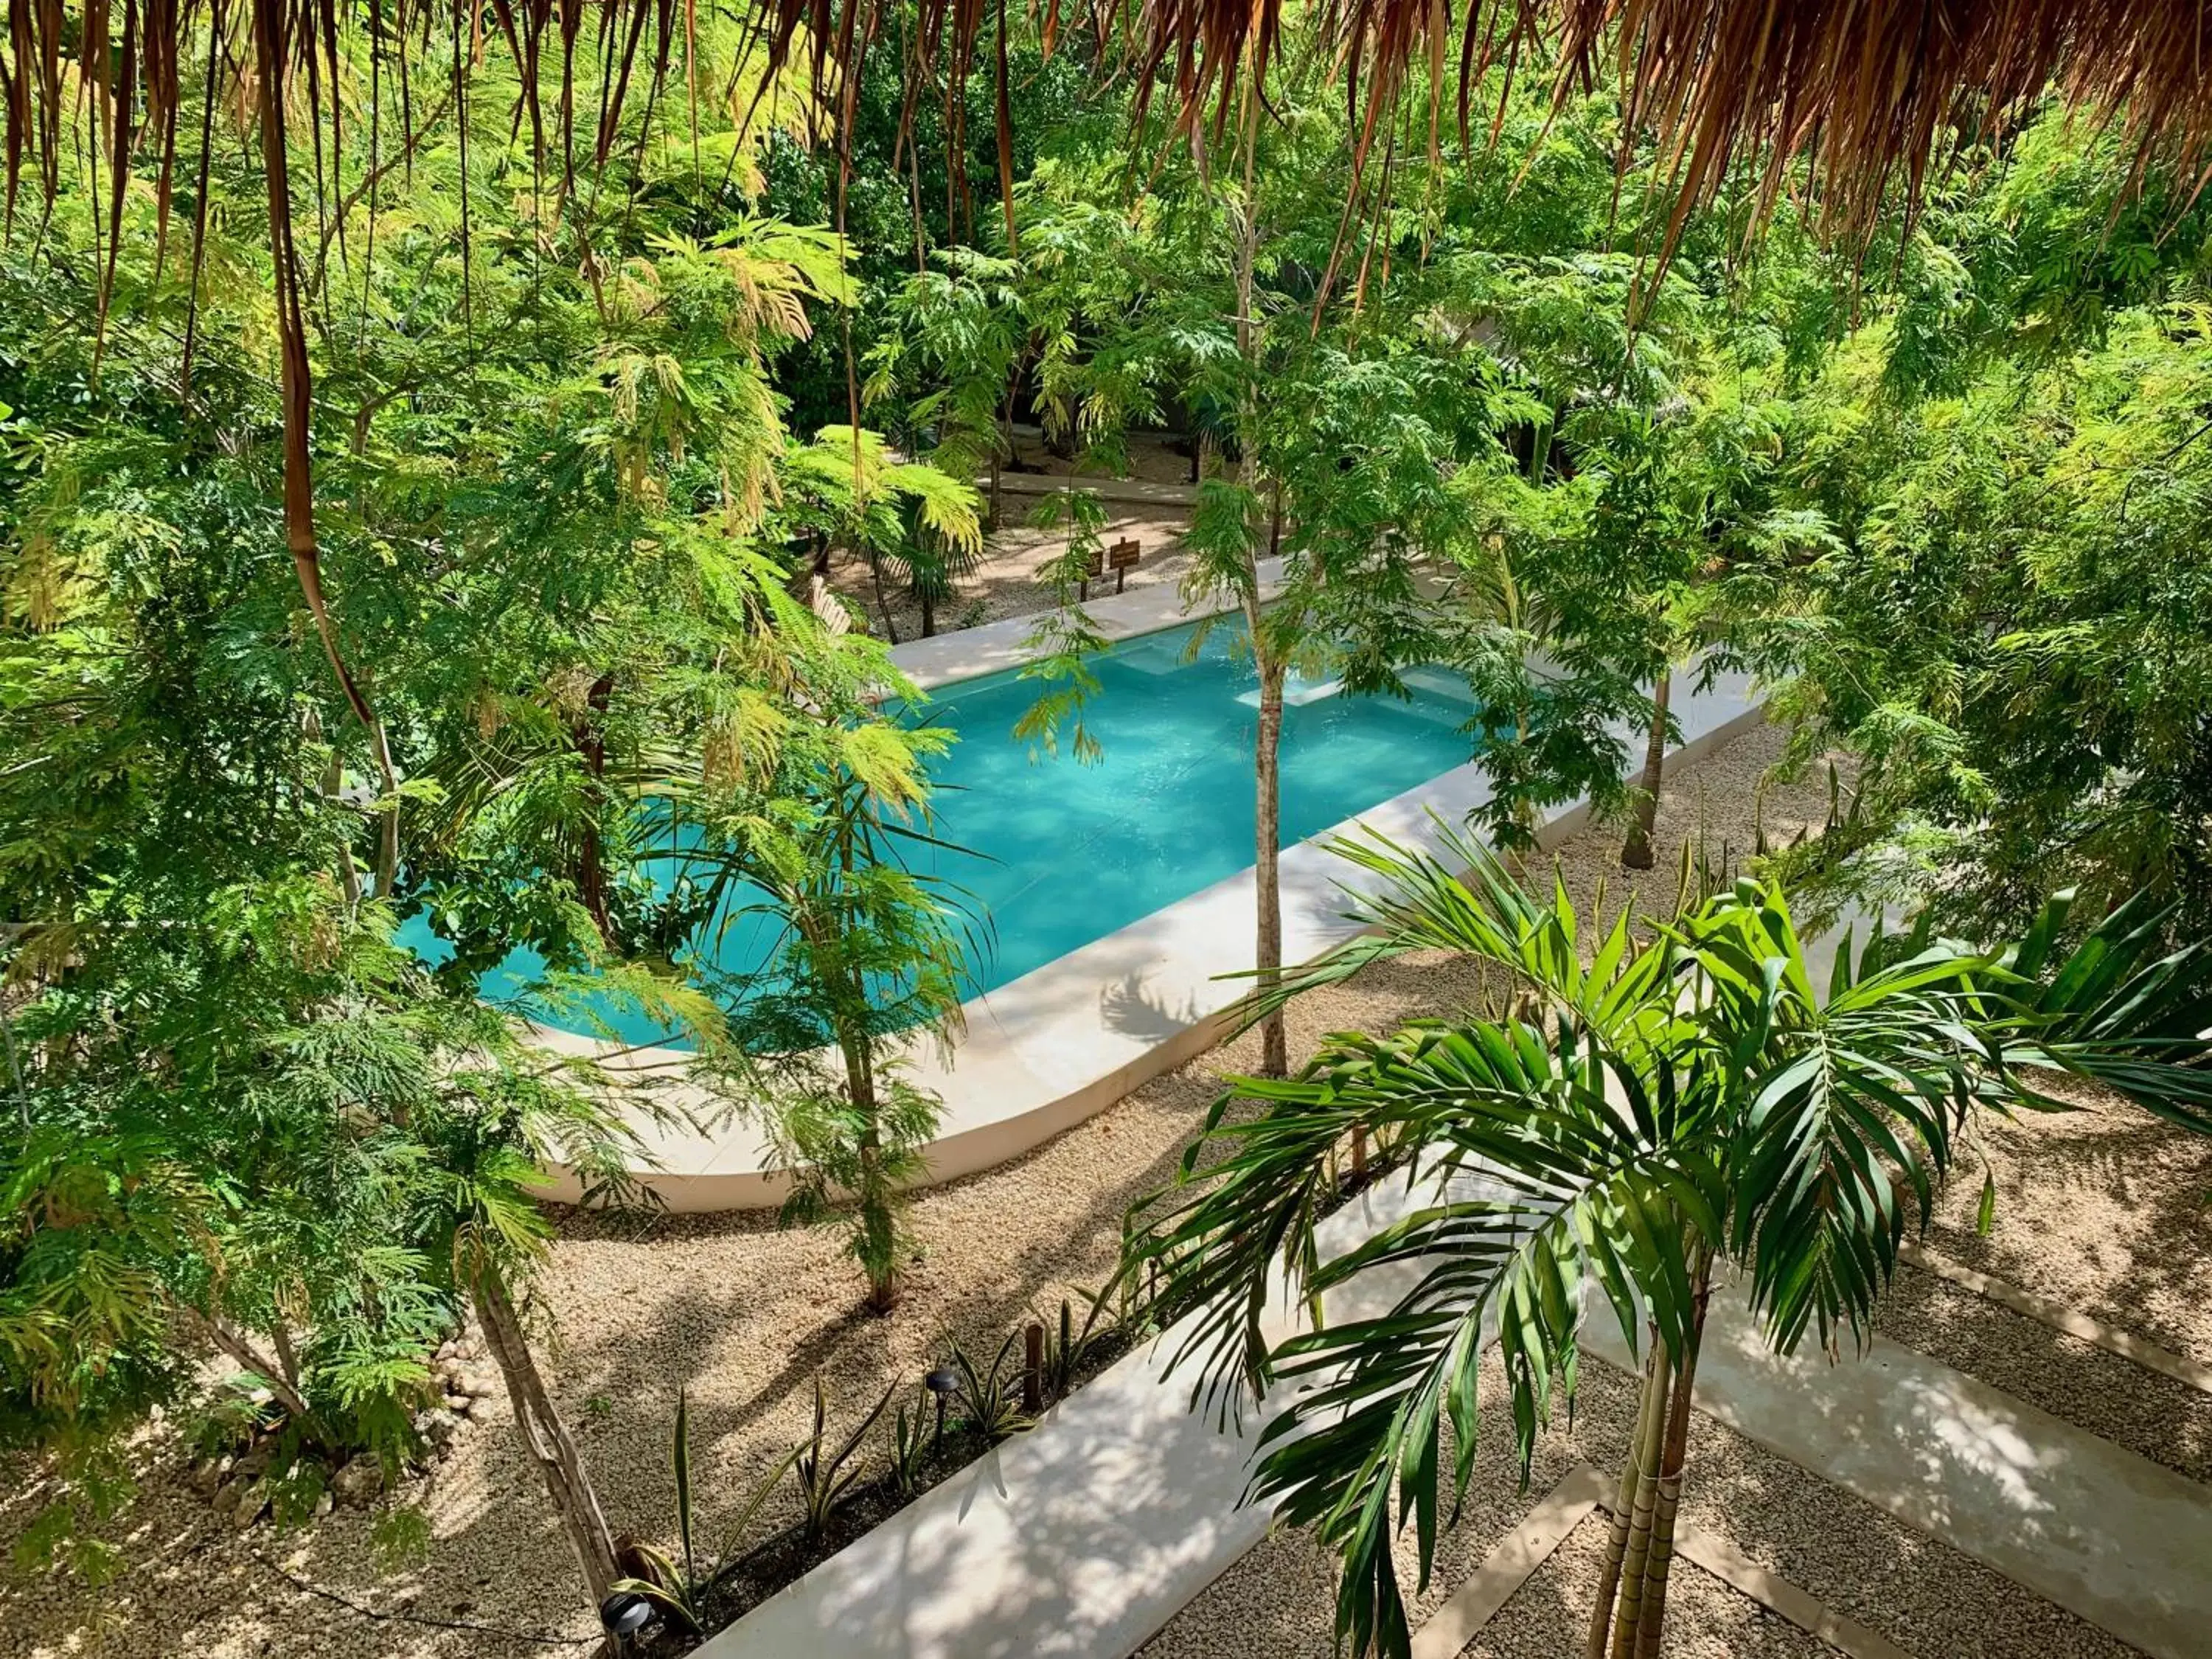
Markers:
point(1705, 1618)
point(1278, 1603)
point(748, 1315)
point(2153, 1416)
point(1279, 1599)
point(2104, 1209)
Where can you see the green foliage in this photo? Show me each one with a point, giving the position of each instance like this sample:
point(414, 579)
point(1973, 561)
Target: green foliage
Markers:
point(989, 1393)
point(864, 954)
point(266, 1089)
point(1689, 1093)
point(2012, 632)
point(1065, 638)
point(912, 1445)
point(679, 1590)
point(824, 1472)
point(244, 1110)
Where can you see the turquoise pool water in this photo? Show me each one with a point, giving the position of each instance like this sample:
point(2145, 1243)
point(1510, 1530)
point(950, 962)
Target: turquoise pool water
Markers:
point(1058, 852)
point(1075, 851)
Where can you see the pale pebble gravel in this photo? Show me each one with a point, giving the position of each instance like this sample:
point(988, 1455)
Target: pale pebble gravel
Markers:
point(2105, 1209)
point(748, 1315)
point(1278, 1600)
point(2152, 1415)
point(1705, 1618)
point(1278, 1603)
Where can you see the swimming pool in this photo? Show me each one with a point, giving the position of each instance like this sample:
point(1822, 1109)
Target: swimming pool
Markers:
point(1075, 851)
point(1057, 852)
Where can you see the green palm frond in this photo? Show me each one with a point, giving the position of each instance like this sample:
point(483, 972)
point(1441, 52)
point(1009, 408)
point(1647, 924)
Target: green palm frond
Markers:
point(1675, 1098)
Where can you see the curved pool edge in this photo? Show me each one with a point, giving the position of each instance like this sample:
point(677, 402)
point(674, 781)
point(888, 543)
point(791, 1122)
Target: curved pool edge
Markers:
point(1047, 1050)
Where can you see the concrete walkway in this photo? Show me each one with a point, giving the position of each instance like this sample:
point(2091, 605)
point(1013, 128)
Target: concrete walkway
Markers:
point(1081, 1538)
point(2124, 1542)
point(1085, 1536)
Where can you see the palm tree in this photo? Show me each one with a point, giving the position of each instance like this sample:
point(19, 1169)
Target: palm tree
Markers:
point(1662, 1119)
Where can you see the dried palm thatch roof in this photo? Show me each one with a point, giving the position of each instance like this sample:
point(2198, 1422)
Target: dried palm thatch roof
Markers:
point(1869, 91)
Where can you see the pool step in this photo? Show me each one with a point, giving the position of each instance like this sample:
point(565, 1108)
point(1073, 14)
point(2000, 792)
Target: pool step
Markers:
point(1297, 693)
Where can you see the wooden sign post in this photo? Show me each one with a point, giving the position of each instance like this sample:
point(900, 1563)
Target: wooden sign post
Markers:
point(1122, 558)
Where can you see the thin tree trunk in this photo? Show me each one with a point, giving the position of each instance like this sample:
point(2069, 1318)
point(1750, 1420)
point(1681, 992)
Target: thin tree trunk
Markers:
point(883, 603)
point(281, 1385)
point(281, 1340)
point(928, 613)
point(875, 1197)
point(1652, 1620)
point(1274, 1049)
point(1616, 1545)
point(1651, 1426)
point(879, 1225)
point(1636, 852)
point(545, 1436)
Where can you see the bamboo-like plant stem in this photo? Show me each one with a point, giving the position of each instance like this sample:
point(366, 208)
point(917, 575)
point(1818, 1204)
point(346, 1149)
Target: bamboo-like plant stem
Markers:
point(1651, 1424)
point(1616, 1543)
point(1651, 1619)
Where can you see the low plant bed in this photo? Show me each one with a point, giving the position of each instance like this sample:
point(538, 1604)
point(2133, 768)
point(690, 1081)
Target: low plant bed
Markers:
point(690, 1605)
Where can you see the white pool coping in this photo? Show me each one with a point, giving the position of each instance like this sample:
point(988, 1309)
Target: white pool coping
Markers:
point(1047, 1050)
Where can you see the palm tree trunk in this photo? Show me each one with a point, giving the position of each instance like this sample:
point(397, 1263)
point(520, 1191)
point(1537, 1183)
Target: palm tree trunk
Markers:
point(1651, 1425)
point(1651, 1621)
point(1616, 1544)
point(1267, 796)
point(545, 1435)
point(1636, 852)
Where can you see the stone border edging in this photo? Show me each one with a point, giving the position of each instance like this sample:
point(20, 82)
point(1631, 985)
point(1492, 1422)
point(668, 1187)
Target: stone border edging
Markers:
point(1083, 1536)
point(1511, 1565)
point(2103, 1531)
point(2061, 1318)
point(1585, 1490)
point(1778, 1596)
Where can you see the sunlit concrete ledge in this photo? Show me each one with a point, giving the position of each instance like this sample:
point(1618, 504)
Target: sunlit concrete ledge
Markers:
point(1080, 1538)
point(1045, 1051)
point(1085, 1536)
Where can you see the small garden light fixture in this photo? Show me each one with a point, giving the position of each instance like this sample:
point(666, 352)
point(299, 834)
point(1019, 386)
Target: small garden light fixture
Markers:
point(941, 1383)
point(622, 1615)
